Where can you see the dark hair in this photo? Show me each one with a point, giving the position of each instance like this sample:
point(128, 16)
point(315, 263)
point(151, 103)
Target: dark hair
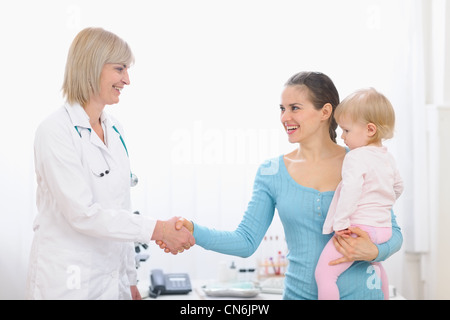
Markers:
point(321, 91)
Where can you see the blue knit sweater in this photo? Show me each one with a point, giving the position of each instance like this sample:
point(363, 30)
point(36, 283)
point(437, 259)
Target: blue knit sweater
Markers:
point(302, 212)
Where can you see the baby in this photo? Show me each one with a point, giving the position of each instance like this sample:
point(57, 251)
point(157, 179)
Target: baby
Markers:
point(370, 183)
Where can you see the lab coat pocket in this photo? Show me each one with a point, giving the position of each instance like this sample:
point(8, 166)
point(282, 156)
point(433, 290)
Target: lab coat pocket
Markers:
point(110, 286)
point(63, 274)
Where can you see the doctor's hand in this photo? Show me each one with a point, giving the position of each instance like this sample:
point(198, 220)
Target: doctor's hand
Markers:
point(180, 224)
point(172, 239)
point(135, 294)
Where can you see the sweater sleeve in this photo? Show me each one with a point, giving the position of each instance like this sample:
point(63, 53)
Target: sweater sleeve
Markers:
point(248, 235)
point(388, 248)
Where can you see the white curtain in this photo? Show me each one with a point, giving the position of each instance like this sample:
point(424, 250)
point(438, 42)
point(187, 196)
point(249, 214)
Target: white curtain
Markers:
point(414, 115)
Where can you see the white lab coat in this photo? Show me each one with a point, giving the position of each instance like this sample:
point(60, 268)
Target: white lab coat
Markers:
point(84, 232)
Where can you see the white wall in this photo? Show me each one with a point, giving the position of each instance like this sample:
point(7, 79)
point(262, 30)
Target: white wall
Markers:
point(202, 110)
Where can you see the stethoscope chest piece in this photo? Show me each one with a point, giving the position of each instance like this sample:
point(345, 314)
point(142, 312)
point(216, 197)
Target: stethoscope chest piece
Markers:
point(133, 180)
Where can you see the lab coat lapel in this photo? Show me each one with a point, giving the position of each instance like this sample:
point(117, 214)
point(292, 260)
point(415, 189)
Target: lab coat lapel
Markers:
point(118, 159)
point(78, 116)
point(80, 119)
point(95, 140)
point(113, 137)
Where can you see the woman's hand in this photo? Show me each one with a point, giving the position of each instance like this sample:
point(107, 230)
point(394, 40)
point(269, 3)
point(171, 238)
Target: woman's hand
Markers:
point(182, 222)
point(359, 248)
point(343, 232)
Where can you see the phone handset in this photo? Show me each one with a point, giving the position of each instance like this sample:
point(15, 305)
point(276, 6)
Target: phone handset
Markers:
point(172, 283)
point(157, 283)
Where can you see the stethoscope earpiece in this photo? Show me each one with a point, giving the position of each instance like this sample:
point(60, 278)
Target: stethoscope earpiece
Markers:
point(101, 174)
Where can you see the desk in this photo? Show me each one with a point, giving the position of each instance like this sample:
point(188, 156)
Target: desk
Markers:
point(197, 293)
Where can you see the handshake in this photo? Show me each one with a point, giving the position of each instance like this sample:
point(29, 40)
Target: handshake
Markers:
point(174, 235)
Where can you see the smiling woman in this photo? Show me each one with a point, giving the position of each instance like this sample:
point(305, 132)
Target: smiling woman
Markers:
point(87, 63)
point(83, 235)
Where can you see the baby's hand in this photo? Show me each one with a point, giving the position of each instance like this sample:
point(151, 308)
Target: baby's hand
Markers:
point(344, 232)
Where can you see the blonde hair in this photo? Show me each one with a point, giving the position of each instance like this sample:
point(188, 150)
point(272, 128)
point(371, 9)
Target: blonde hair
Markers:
point(369, 106)
point(91, 49)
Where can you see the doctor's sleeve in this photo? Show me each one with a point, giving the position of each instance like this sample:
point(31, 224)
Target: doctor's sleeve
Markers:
point(130, 265)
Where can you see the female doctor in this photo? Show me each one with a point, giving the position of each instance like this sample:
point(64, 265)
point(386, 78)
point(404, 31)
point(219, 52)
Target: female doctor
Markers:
point(83, 246)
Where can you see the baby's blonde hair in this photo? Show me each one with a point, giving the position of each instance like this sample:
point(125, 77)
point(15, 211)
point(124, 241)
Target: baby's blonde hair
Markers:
point(91, 49)
point(369, 106)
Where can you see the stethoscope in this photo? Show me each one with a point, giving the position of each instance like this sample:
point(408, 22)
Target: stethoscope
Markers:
point(133, 178)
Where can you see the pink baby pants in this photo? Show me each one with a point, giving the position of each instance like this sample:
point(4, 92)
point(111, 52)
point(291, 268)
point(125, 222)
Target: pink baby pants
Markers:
point(326, 275)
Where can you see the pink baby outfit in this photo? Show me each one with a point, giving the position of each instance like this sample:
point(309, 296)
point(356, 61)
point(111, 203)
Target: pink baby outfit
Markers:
point(370, 186)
